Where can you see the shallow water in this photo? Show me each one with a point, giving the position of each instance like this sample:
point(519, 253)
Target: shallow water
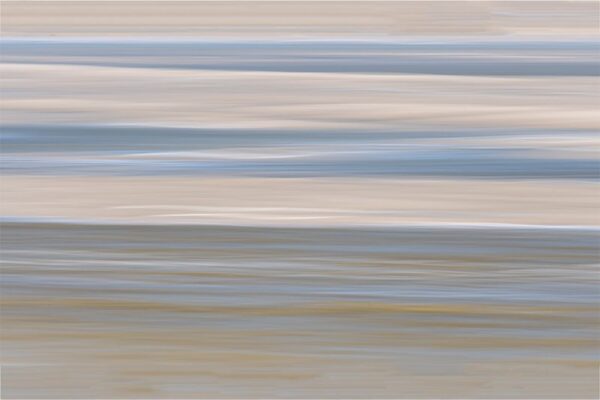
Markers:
point(460, 57)
point(52, 149)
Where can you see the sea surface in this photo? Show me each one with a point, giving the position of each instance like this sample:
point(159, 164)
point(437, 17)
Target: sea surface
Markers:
point(241, 217)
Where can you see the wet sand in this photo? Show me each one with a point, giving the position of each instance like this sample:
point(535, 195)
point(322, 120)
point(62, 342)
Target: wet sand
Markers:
point(232, 312)
point(301, 201)
point(298, 18)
